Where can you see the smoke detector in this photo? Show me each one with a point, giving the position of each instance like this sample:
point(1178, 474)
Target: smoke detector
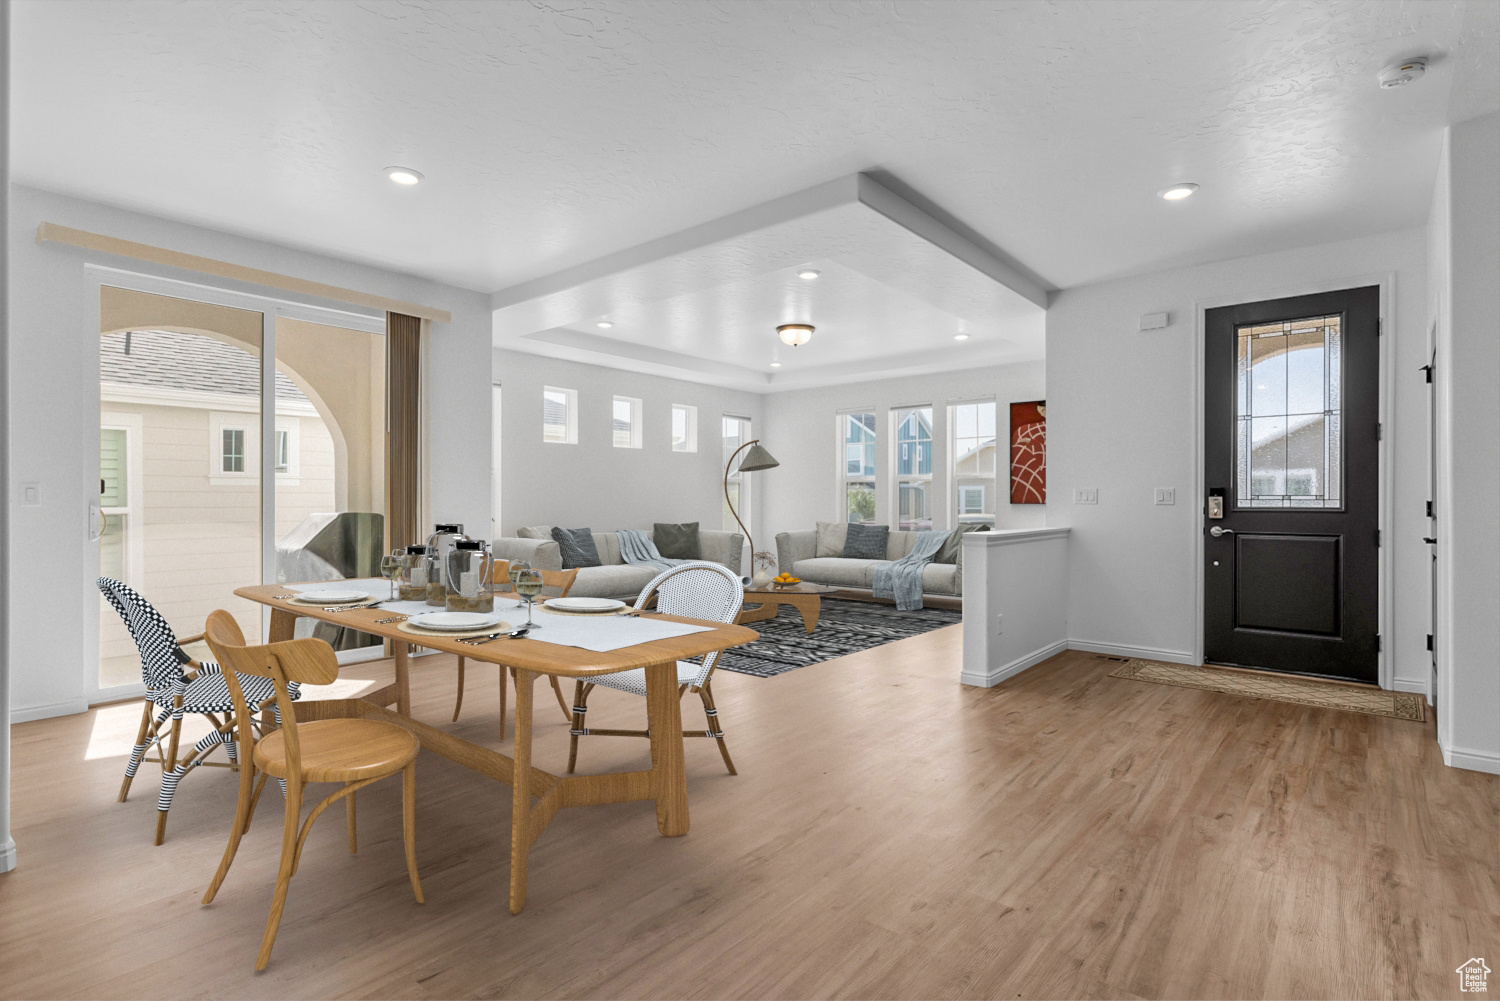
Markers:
point(1402, 73)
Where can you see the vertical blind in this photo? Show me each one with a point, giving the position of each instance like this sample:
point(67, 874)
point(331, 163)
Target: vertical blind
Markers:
point(402, 408)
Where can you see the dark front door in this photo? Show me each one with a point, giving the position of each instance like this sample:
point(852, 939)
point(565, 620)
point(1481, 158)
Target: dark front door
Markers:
point(1291, 459)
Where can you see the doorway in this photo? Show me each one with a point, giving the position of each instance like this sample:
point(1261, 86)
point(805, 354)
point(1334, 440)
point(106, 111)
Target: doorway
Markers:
point(1291, 466)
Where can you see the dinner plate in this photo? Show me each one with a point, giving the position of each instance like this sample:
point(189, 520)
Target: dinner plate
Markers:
point(332, 596)
point(454, 621)
point(585, 604)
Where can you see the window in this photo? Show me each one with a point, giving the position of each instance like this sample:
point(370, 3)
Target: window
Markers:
point(736, 433)
point(974, 462)
point(626, 422)
point(283, 450)
point(913, 468)
point(684, 428)
point(232, 450)
point(1289, 447)
point(857, 466)
point(560, 415)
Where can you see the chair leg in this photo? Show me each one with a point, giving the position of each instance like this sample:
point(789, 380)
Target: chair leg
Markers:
point(170, 766)
point(712, 713)
point(284, 874)
point(242, 809)
point(562, 703)
point(137, 751)
point(458, 703)
point(409, 825)
point(349, 812)
point(580, 707)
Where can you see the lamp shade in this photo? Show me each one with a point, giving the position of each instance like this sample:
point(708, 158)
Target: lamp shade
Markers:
point(757, 458)
point(795, 334)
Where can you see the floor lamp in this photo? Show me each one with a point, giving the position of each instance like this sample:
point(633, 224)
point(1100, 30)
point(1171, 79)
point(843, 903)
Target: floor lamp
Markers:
point(758, 459)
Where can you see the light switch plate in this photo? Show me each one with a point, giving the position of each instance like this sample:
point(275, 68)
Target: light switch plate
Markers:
point(31, 494)
point(1089, 496)
point(1166, 495)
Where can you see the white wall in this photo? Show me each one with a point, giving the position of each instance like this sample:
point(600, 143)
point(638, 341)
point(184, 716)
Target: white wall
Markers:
point(1465, 304)
point(593, 483)
point(54, 403)
point(801, 431)
point(1122, 417)
point(7, 844)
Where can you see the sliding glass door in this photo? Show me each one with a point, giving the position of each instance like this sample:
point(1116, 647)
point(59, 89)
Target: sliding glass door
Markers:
point(190, 422)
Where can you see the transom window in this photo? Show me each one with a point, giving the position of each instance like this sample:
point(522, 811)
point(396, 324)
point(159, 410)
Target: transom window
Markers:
point(560, 415)
point(684, 428)
point(1289, 438)
point(626, 422)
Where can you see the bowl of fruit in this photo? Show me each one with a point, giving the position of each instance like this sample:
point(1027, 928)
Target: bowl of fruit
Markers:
point(785, 579)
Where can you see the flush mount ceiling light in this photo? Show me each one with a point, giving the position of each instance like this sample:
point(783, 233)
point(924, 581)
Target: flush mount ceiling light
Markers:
point(795, 334)
point(1178, 192)
point(404, 175)
point(808, 275)
point(1402, 73)
point(604, 324)
point(960, 337)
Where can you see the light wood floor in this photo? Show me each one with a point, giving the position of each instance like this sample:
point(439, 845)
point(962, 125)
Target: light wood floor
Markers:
point(891, 834)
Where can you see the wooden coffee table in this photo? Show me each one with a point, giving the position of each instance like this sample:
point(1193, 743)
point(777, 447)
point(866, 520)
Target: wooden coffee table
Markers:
point(762, 603)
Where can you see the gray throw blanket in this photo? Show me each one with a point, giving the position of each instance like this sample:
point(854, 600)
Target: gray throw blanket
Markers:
point(637, 549)
point(901, 580)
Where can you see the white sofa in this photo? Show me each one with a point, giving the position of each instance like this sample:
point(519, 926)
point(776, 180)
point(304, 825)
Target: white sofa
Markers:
point(615, 578)
point(798, 552)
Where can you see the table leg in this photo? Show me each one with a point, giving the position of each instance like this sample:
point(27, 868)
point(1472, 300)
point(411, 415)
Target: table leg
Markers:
point(668, 774)
point(283, 620)
point(810, 609)
point(403, 677)
point(520, 792)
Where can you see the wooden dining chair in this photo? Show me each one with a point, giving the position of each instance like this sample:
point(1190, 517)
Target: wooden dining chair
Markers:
point(350, 752)
point(555, 584)
point(178, 686)
point(698, 590)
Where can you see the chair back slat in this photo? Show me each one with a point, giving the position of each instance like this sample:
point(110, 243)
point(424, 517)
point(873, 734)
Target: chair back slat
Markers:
point(162, 657)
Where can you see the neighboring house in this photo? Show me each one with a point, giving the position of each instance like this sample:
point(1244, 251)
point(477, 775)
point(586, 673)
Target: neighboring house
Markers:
point(974, 479)
point(179, 468)
point(1288, 460)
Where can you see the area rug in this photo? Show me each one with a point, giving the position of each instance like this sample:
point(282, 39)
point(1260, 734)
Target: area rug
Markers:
point(1303, 691)
point(844, 627)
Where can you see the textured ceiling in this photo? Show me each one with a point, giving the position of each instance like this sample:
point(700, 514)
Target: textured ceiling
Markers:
point(552, 133)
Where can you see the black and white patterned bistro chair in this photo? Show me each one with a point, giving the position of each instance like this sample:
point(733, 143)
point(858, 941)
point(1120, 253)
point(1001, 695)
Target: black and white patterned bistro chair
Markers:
point(176, 684)
point(697, 590)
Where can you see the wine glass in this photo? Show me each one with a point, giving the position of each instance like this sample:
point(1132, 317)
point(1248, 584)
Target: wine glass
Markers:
point(390, 568)
point(528, 586)
point(517, 568)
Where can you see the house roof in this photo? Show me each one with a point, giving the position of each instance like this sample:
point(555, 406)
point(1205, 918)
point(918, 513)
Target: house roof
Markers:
point(172, 360)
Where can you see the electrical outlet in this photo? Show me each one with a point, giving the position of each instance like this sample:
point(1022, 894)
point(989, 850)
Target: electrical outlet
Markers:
point(1090, 496)
point(31, 494)
point(1166, 495)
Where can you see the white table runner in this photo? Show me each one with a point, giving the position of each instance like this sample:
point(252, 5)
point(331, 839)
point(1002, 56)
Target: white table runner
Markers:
point(600, 633)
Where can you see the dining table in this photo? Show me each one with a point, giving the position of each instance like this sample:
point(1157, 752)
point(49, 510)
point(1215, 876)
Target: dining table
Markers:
point(536, 795)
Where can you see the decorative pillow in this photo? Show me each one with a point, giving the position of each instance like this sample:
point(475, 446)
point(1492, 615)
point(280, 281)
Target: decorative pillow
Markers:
point(534, 532)
point(831, 536)
point(677, 542)
point(948, 552)
point(865, 542)
point(577, 546)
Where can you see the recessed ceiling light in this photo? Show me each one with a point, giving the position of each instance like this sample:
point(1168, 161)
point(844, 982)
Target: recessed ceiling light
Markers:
point(776, 364)
point(1177, 192)
point(808, 275)
point(404, 175)
point(604, 324)
point(960, 337)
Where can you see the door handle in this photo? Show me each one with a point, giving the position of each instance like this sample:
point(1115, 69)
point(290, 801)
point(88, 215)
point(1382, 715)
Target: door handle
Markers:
point(1429, 540)
point(1219, 530)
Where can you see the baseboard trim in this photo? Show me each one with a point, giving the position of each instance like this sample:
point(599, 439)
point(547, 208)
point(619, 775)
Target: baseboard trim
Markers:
point(67, 708)
point(8, 855)
point(1015, 667)
point(1143, 652)
point(1414, 687)
point(1476, 761)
